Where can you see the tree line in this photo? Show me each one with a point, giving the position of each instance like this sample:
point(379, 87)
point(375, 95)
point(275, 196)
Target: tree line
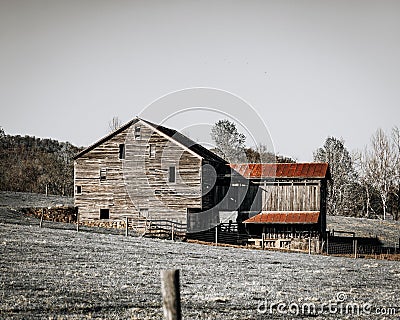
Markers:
point(30, 164)
point(230, 145)
point(365, 183)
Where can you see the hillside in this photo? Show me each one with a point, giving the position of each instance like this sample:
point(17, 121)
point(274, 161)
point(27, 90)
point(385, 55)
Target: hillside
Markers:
point(30, 164)
point(388, 231)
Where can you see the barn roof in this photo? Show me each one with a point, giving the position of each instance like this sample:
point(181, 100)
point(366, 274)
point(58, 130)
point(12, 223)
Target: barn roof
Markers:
point(172, 134)
point(285, 217)
point(313, 170)
point(106, 138)
point(187, 142)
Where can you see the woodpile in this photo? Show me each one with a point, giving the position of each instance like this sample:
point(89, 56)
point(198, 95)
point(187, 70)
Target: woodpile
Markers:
point(57, 214)
point(115, 224)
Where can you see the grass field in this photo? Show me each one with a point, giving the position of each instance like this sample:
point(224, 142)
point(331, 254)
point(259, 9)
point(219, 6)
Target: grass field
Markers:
point(62, 274)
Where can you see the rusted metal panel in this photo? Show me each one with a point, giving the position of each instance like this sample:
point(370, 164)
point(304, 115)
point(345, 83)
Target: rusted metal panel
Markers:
point(294, 217)
point(283, 170)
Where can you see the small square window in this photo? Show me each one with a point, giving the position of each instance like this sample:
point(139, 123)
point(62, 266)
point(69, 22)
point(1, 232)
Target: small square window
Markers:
point(104, 213)
point(103, 174)
point(137, 133)
point(171, 175)
point(152, 151)
point(122, 151)
point(78, 189)
point(144, 212)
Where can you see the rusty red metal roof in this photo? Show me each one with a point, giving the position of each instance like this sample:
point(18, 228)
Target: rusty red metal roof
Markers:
point(314, 170)
point(292, 217)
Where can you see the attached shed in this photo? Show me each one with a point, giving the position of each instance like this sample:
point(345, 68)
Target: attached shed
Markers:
point(290, 201)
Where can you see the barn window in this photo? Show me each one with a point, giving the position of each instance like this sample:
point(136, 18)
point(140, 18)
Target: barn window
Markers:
point(122, 151)
point(144, 212)
point(171, 174)
point(78, 189)
point(152, 151)
point(103, 174)
point(104, 213)
point(137, 133)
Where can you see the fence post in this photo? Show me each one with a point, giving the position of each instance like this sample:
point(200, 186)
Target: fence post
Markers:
point(77, 221)
point(355, 248)
point(41, 219)
point(262, 240)
point(171, 296)
point(327, 244)
point(216, 234)
point(309, 245)
point(126, 226)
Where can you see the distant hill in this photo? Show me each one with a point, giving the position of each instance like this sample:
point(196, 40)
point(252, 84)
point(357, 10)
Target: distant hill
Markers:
point(30, 164)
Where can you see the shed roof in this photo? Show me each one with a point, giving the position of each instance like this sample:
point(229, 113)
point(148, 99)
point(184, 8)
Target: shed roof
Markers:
point(285, 217)
point(314, 170)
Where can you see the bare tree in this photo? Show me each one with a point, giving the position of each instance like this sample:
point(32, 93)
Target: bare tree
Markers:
point(381, 163)
point(396, 178)
point(114, 124)
point(361, 164)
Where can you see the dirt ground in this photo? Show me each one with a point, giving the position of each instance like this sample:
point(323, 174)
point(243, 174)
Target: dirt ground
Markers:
point(58, 273)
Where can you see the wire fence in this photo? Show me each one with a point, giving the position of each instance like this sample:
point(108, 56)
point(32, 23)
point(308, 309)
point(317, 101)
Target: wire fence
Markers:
point(224, 233)
point(359, 247)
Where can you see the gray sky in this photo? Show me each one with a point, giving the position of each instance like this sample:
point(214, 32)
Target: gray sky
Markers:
point(310, 68)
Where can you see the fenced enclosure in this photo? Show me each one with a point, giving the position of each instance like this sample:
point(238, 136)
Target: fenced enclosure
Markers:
point(227, 233)
point(358, 246)
point(164, 229)
point(224, 233)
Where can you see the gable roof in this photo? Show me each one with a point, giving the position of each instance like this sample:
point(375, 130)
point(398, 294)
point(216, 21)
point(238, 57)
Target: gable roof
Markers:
point(106, 138)
point(187, 142)
point(313, 170)
point(171, 134)
point(285, 217)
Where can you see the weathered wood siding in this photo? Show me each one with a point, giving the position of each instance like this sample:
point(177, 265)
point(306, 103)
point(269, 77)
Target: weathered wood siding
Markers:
point(297, 196)
point(108, 194)
point(138, 184)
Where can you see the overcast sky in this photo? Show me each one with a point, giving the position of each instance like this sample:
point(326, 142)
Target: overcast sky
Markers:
point(311, 69)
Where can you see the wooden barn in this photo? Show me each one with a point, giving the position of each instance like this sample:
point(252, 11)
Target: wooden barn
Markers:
point(150, 171)
point(290, 202)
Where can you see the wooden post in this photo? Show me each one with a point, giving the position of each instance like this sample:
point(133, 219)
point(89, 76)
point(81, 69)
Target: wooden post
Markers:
point(126, 226)
point(262, 240)
point(355, 249)
point(309, 245)
point(77, 221)
point(327, 244)
point(171, 296)
point(41, 218)
point(172, 232)
point(216, 234)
